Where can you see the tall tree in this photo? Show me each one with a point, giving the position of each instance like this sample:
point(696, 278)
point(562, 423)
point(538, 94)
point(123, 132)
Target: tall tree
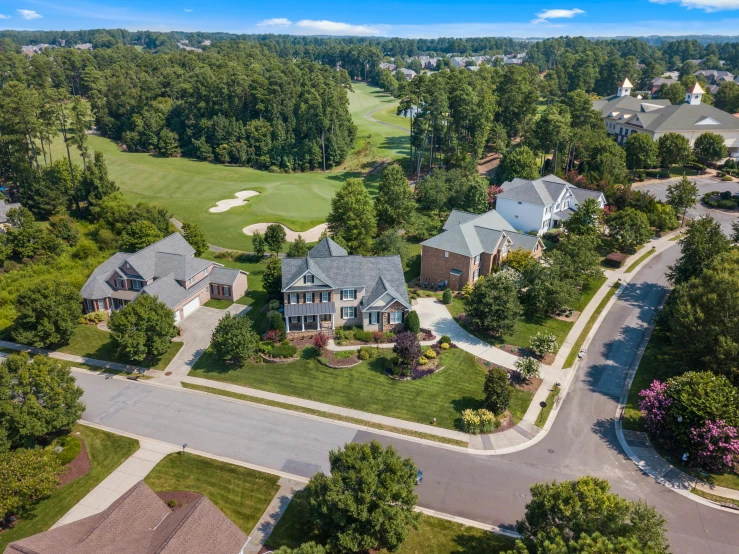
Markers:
point(682, 196)
point(272, 277)
point(641, 151)
point(517, 162)
point(257, 242)
point(25, 477)
point(702, 243)
point(587, 220)
point(48, 313)
point(143, 328)
point(493, 305)
point(234, 339)
point(629, 227)
point(352, 216)
point(274, 237)
point(710, 147)
point(195, 238)
point(674, 149)
point(367, 502)
point(393, 203)
point(138, 235)
point(298, 248)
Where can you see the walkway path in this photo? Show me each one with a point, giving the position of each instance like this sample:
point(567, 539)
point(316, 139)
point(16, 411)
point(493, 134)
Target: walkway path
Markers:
point(125, 476)
point(266, 524)
point(369, 115)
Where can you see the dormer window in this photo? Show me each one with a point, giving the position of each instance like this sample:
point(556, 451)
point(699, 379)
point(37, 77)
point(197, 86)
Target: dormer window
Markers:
point(308, 279)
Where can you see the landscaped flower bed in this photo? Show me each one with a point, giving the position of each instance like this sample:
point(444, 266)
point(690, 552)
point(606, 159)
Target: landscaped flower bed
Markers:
point(340, 359)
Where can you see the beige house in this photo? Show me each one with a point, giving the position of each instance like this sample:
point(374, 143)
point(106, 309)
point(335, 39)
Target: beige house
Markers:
point(167, 269)
point(330, 289)
point(625, 115)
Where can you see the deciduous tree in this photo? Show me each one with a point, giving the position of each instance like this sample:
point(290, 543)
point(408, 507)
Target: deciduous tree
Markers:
point(517, 162)
point(143, 328)
point(257, 242)
point(48, 313)
point(25, 477)
point(138, 235)
point(493, 305)
point(641, 151)
point(497, 390)
point(629, 228)
point(234, 339)
point(393, 203)
point(682, 196)
point(195, 238)
point(587, 220)
point(352, 216)
point(701, 244)
point(272, 277)
point(674, 149)
point(710, 147)
point(298, 248)
point(274, 237)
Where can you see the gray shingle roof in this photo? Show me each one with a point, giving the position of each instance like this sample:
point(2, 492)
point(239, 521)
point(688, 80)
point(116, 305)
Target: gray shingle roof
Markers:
point(582, 194)
point(96, 286)
point(169, 291)
point(224, 275)
point(521, 240)
point(183, 267)
point(144, 261)
point(327, 248)
point(4, 210)
point(311, 308)
point(543, 191)
point(471, 234)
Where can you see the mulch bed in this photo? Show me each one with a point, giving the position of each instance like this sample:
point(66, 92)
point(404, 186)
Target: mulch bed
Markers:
point(572, 318)
point(506, 422)
point(182, 498)
point(547, 359)
point(331, 360)
point(77, 467)
point(532, 385)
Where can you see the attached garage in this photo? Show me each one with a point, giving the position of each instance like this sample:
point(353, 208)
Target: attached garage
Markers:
point(191, 306)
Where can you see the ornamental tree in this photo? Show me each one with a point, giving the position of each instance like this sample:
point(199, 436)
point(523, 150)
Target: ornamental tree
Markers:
point(234, 339)
point(38, 397)
point(715, 445)
point(568, 510)
point(710, 147)
point(497, 391)
point(48, 313)
point(25, 477)
point(682, 196)
point(412, 323)
point(407, 348)
point(143, 328)
point(629, 227)
point(367, 502)
point(493, 305)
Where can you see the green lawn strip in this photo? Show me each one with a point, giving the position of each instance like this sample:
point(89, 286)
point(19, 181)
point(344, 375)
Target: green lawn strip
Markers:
point(218, 304)
point(434, 535)
point(91, 342)
point(107, 370)
point(366, 387)
point(639, 260)
point(242, 494)
point(388, 115)
point(541, 419)
point(106, 452)
point(588, 326)
point(676, 237)
point(327, 415)
point(714, 498)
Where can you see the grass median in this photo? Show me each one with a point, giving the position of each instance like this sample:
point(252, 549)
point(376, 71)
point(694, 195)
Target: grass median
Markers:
point(639, 260)
point(588, 326)
point(541, 419)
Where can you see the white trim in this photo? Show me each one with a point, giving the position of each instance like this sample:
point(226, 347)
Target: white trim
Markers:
point(302, 275)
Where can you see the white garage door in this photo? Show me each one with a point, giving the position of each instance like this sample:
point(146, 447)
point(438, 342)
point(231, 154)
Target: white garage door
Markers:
point(177, 316)
point(191, 306)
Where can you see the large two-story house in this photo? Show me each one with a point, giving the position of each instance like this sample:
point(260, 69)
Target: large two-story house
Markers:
point(167, 269)
point(472, 245)
point(329, 289)
point(541, 204)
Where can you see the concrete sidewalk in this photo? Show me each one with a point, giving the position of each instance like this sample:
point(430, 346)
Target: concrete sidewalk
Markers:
point(126, 475)
point(266, 524)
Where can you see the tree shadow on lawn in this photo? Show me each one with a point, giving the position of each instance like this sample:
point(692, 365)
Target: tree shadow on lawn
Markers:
point(469, 542)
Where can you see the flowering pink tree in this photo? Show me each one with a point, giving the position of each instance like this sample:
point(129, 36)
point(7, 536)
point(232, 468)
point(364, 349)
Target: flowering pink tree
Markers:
point(654, 405)
point(493, 192)
point(716, 446)
point(320, 341)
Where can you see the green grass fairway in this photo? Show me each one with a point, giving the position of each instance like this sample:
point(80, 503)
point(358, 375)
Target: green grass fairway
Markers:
point(365, 387)
point(106, 451)
point(242, 494)
point(189, 188)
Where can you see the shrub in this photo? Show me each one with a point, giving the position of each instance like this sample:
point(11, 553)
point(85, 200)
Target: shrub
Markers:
point(528, 367)
point(664, 174)
point(445, 339)
point(726, 204)
point(94, 318)
point(466, 290)
point(423, 360)
point(544, 343)
point(446, 297)
point(726, 195)
point(497, 391)
point(407, 348)
point(412, 323)
point(284, 351)
point(414, 297)
point(367, 353)
point(378, 337)
point(266, 347)
point(362, 335)
point(444, 346)
point(274, 335)
point(274, 305)
point(71, 447)
point(430, 354)
point(275, 320)
point(716, 446)
point(320, 341)
point(285, 343)
point(172, 503)
point(478, 421)
point(727, 178)
point(85, 249)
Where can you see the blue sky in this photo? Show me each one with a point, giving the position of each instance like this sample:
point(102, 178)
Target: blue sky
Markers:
point(402, 18)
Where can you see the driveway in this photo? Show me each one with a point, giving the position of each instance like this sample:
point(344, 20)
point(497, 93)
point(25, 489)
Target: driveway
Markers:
point(434, 315)
point(197, 329)
point(659, 190)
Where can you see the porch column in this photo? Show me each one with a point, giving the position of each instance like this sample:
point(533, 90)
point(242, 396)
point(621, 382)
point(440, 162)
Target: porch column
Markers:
point(287, 324)
point(332, 321)
point(302, 323)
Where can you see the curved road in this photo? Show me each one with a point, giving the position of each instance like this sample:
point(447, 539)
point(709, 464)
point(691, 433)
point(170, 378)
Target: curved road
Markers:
point(490, 489)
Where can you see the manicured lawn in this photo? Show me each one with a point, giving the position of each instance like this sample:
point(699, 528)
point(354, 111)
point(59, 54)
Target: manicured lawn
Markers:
point(527, 325)
point(106, 451)
point(218, 304)
point(412, 267)
point(388, 115)
point(434, 535)
point(242, 494)
point(91, 342)
point(588, 326)
point(639, 260)
point(655, 364)
point(189, 188)
point(391, 142)
point(541, 419)
point(365, 387)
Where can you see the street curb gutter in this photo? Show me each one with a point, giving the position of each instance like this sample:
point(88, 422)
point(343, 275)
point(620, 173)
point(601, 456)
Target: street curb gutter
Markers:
point(427, 511)
point(641, 464)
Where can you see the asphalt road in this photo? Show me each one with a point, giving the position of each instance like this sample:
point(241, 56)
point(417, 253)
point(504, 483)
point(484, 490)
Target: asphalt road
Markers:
point(488, 489)
point(659, 190)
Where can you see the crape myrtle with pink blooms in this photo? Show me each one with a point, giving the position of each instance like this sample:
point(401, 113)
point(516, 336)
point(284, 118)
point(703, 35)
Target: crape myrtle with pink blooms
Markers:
point(696, 413)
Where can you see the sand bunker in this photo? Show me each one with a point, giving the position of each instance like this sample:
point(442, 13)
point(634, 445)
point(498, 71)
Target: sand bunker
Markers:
point(240, 200)
point(311, 235)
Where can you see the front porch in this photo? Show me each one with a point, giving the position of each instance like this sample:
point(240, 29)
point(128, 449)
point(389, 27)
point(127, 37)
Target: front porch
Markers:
point(318, 316)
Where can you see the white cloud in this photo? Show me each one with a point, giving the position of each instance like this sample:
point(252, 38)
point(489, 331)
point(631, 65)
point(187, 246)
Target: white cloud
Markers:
point(188, 10)
point(545, 15)
point(323, 27)
point(707, 5)
point(3, 16)
point(275, 22)
point(29, 14)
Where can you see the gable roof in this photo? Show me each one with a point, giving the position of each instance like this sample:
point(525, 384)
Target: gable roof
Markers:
point(139, 522)
point(471, 234)
point(327, 248)
point(144, 261)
